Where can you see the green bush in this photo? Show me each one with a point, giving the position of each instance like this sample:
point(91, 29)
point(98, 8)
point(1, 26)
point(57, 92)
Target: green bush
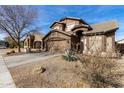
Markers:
point(69, 56)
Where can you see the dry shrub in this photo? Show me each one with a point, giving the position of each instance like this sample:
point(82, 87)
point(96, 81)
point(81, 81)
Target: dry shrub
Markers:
point(11, 52)
point(101, 72)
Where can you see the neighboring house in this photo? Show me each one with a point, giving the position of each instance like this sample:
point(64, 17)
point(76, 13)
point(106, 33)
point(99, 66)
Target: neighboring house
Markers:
point(33, 41)
point(120, 46)
point(3, 44)
point(76, 34)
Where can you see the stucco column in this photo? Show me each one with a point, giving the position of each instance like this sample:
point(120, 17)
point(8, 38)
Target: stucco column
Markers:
point(29, 42)
point(103, 43)
point(33, 44)
point(113, 42)
point(85, 41)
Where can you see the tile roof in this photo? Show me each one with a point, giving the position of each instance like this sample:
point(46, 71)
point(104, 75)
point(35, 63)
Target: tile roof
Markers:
point(103, 27)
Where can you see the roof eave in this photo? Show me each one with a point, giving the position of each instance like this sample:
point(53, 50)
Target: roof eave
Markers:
point(80, 27)
point(55, 23)
point(100, 33)
point(53, 31)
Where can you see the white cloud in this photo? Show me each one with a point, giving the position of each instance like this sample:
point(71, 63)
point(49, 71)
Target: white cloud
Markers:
point(2, 36)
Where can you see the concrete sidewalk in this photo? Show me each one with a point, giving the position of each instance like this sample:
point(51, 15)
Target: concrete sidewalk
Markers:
point(6, 80)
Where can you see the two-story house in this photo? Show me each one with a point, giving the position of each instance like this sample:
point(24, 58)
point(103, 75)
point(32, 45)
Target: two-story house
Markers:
point(76, 34)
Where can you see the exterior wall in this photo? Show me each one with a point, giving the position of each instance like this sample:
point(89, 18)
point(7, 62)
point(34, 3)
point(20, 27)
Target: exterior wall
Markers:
point(85, 42)
point(103, 44)
point(25, 43)
point(70, 24)
point(37, 43)
point(57, 41)
point(37, 38)
point(110, 42)
point(58, 27)
point(31, 40)
point(92, 44)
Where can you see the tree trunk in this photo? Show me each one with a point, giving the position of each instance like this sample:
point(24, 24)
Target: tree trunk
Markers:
point(19, 47)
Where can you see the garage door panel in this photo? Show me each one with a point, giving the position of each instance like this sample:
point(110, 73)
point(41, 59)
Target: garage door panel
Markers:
point(58, 45)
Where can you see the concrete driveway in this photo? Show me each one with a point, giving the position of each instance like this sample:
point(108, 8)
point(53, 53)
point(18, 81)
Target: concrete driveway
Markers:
point(17, 60)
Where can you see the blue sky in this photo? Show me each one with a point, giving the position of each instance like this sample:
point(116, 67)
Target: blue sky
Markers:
point(91, 14)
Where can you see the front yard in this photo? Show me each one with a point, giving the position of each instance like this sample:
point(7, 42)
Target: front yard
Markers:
point(57, 73)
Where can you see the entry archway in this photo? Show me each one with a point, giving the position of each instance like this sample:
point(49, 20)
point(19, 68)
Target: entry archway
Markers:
point(37, 44)
point(79, 43)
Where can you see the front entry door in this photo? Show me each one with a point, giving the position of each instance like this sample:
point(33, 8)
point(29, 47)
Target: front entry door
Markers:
point(79, 43)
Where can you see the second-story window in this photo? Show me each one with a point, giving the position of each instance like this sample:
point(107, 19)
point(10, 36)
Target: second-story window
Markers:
point(71, 25)
point(58, 27)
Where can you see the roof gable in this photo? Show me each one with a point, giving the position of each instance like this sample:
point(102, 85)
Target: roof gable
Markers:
point(56, 22)
point(65, 33)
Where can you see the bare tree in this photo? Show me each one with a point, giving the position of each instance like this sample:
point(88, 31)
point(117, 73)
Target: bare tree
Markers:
point(17, 21)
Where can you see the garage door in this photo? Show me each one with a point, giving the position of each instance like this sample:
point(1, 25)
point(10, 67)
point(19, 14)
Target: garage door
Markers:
point(57, 45)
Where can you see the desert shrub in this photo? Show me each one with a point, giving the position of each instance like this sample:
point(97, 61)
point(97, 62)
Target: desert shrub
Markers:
point(69, 56)
point(101, 72)
point(7, 53)
point(13, 51)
